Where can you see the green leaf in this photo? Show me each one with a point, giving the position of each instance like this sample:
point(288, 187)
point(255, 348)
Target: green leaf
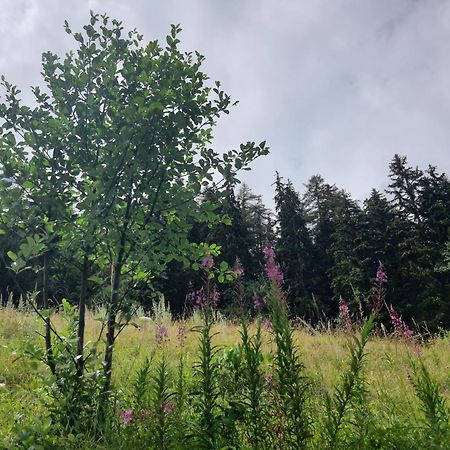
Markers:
point(12, 256)
point(28, 185)
point(95, 279)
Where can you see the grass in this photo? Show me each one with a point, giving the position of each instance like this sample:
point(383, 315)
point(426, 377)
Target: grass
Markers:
point(324, 354)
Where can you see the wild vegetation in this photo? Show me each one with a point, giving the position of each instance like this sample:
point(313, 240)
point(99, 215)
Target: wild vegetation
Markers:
point(209, 382)
point(112, 203)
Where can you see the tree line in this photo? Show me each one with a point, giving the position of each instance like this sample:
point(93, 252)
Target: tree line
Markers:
point(330, 245)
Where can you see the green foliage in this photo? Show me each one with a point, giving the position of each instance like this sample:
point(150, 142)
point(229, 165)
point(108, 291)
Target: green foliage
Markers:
point(294, 246)
point(349, 396)
point(209, 418)
point(109, 166)
point(254, 388)
point(162, 405)
point(434, 407)
point(292, 384)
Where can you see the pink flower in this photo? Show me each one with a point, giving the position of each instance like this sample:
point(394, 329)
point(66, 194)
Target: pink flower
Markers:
point(162, 333)
point(381, 277)
point(344, 314)
point(256, 302)
point(380, 281)
point(215, 296)
point(127, 416)
point(169, 407)
point(274, 274)
point(267, 324)
point(273, 270)
point(207, 262)
point(399, 325)
point(181, 333)
point(269, 252)
point(197, 299)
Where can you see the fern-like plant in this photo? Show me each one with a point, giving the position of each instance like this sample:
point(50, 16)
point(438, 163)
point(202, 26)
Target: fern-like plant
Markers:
point(162, 396)
point(351, 390)
point(434, 406)
point(293, 385)
point(209, 420)
point(253, 387)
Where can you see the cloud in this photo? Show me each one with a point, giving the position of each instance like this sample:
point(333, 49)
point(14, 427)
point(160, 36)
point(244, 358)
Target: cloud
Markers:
point(335, 88)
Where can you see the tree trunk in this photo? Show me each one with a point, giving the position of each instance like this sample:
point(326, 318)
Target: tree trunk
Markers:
point(82, 316)
point(48, 338)
point(113, 310)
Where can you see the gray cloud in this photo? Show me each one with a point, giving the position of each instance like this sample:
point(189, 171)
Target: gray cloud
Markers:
point(335, 88)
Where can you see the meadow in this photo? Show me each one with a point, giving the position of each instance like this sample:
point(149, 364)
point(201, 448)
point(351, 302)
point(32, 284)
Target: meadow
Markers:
point(385, 408)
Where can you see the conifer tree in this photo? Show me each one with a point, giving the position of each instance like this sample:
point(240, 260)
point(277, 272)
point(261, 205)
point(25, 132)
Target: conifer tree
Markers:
point(294, 245)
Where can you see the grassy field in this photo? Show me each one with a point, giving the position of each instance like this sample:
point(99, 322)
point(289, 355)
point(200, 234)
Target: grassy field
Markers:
point(324, 354)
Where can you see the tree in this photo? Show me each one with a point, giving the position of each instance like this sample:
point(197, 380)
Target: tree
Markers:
point(260, 222)
point(320, 201)
point(422, 223)
point(294, 245)
point(119, 146)
point(234, 237)
point(346, 272)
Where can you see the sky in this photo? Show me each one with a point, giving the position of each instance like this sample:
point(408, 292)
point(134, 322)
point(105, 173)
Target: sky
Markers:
point(335, 87)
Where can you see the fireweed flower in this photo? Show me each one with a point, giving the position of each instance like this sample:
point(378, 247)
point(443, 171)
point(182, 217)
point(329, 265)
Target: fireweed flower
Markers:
point(267, 324)
point(256, 302)
point(380, 282)
point(344, 314)
point(269, 252)
point(381, 277)
point(273, 270)
point(399, 325)
point(169, 407)
point(162, 333)
point(207, 262)
point(402, 330)
point(215, 296)
point(127, 416)
point(197, 299)
point(238, 272)
point(181, 333)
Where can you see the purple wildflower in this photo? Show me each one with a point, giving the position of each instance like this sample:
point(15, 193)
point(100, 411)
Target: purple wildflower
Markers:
point(207, 262)
point(181, 333)
point(162, 333)
point(273, 270)
point(256, 302)
point(215, 296)
point(197, 299)
point(399, 325)
point(380, 281)
point(169, 407)
point(238, 272)
point(344, 314)
point(269, 252)
point(127, 416)
point(267, 324)
point(381, 277)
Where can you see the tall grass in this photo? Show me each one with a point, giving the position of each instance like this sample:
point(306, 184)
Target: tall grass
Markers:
point(241, 386)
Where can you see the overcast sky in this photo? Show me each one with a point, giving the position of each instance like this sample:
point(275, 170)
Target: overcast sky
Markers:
point(335, 87)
